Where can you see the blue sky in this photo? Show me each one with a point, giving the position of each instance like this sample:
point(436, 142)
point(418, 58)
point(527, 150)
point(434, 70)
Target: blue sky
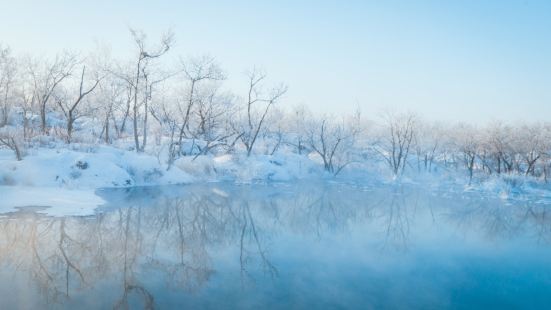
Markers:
point(465, 60)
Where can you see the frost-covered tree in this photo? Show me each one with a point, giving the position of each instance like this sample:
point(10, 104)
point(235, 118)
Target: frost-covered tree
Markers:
point(468, 143)
point(498, 142)
point(397, 143)
point(531, 145)
point(333, 141)
point(141, 81)
point(428, 143)
point(9, 138)
point(8, 73)
point(70, 102)
point(111, 105)
point(257, 107)
point(198, 96)
point(296, 129)
point(46, 77)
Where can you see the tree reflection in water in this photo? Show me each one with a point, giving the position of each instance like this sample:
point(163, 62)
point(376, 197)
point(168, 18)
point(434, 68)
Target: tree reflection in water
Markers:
point(175, 235)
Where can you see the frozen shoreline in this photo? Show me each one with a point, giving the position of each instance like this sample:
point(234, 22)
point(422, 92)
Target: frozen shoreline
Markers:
point(65, 180)
point(59, 178)
point(50, 200)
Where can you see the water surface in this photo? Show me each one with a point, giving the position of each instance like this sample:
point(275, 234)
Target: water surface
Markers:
point(324, 245)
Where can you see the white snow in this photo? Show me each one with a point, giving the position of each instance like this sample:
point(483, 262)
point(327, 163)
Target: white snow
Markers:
point(55, 201)
point(243, 169)
point(102, 167)
point(65, 178)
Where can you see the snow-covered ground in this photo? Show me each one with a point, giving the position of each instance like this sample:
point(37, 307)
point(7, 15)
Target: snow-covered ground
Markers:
point(62, 180)
point(61, 177)
point(105, 166)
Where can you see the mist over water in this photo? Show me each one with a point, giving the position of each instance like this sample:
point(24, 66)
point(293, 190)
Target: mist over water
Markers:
point(282, 246)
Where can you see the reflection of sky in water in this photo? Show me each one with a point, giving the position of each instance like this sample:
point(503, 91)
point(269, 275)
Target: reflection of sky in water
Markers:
point(298, 246)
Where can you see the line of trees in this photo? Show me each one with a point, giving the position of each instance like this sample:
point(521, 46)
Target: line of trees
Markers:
point(186, 109)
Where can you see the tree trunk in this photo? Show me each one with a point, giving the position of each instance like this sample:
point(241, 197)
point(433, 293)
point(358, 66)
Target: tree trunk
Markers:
point(17, 151)
point(70, 121)
point(107, 129)
point(135, 125)
point(43, 118)
point(144, 141)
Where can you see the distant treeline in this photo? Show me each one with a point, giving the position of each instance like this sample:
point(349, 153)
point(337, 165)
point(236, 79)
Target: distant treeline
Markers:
point(187, 111)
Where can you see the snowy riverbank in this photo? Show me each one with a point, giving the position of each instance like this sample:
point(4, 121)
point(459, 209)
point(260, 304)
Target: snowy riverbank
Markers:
point(103, 166)
point(67, 178)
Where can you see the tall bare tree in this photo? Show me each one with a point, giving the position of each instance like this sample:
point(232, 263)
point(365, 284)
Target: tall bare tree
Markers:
point(196, 71)
point(257, 108)
point(142, 64)
point(47, 77)
point(398, 140)
point(8, 71)
point(468, 143)
point(333, 140)
point(69, 105)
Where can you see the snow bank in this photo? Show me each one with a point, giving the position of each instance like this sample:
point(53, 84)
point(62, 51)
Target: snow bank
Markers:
point(66, 177)
point(102, 167)
point(63, 180)
point(243, 169)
